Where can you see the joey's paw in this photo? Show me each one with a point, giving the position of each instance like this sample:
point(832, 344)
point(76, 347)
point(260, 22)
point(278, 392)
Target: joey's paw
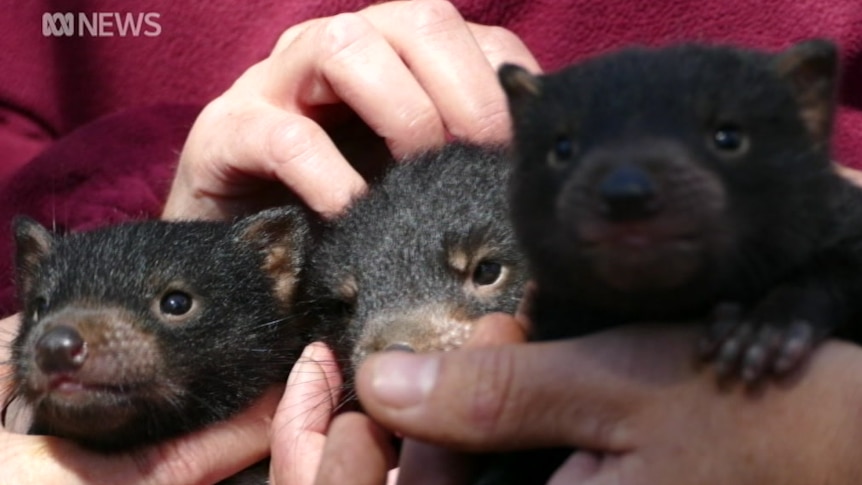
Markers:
point(725, 319)
point(752, 348)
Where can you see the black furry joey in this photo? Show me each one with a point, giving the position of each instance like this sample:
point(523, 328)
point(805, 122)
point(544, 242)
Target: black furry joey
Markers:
point(675, 183)
point(417, 261)
point(139, 332)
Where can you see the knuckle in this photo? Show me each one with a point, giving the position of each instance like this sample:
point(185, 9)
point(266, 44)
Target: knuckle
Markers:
point(500, 45)
point(342, 32)
point(291, 140)
point(429, 16)
point(489, 122)
point(222, 112)
point(205, 144)
point(418, 125)
point(290, 35)
point(496, 40)
point(215, 111)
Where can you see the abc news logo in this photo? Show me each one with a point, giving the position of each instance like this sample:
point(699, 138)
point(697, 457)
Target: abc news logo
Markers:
point(100, 24)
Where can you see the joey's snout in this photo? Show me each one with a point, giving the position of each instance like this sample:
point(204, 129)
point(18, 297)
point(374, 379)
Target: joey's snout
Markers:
point(641, 215)
point(627, 193)
point(429, 328)
point(60, 349)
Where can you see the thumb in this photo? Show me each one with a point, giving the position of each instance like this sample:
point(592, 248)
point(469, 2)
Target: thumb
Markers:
point(580, 392)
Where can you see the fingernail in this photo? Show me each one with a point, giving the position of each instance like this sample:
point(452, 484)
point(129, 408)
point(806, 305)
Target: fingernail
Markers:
point(316, 352)
point(310, 365)
point(403, 380)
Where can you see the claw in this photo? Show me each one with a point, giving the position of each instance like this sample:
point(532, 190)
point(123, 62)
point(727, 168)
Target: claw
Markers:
point(761, 351)
point(754, 364)
point(725, 319)
point(756, 345)
point(728, 356)
point(798, 342)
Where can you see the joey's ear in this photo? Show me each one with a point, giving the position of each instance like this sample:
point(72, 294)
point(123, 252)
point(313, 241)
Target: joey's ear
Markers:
point(282, 234)
point(520, 86)
point(811, 67)
point(33, 243)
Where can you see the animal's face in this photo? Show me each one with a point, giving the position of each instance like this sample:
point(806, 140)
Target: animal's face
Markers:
point(416, 263)
point(145, 330)
point(648, 171)
point(427, 294)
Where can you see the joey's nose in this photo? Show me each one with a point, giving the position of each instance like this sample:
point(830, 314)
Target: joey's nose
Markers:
point(61, 349)
point(400, 347)
point(628, 193)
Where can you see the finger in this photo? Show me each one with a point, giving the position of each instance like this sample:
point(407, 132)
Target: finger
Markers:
point(437, 45)
point(8, 330)
point(502, 46)
point(302, 419)
point(215, 177)
point(424, 464)
point(492, 398)
point(202, 457)
point(344, 59)
point(496, 329)
point(853, 175)
point(286, 39)
point(17, 416)
point(357, 452)
point(585, 468)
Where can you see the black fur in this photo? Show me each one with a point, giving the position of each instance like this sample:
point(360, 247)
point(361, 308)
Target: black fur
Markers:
point(401, 266)
point(663, 184)
point(656, 184)
point(141, 375)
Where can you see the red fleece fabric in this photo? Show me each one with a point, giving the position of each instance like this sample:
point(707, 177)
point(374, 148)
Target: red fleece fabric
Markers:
point(118, 168)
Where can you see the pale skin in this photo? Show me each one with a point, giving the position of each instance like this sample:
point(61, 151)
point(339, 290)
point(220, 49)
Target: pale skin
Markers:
point(413, 72)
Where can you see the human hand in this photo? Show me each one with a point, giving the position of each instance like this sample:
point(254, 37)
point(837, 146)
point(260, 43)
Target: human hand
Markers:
point(203, 457)
point(634, 397)
point(303, 417)
point(304, 423)
point(411, 71)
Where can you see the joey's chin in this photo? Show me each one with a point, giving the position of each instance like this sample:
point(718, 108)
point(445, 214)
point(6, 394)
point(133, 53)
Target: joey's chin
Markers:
point(85, 419)
point(645, 265)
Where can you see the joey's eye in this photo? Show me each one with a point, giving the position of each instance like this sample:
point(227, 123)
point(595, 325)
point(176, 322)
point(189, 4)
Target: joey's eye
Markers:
point(730, 139)
point(176, 303)
point(487, 273)
point(563, 150)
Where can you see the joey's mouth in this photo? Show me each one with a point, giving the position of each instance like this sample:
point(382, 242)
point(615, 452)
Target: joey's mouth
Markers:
point(635, 239)
point(71, 389)
point(641, 234)
point(643, 256)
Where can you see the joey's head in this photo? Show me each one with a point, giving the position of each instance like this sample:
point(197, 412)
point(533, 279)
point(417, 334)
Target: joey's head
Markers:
point(417, 261)
point(145, 330)
point(656, 175)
